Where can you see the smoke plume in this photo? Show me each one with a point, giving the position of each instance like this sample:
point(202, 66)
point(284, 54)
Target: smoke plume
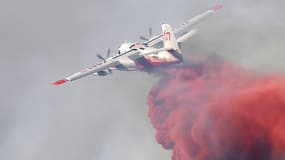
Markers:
point(208, 109)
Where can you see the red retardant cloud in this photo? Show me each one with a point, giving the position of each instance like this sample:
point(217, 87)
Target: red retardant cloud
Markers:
point(206, 109)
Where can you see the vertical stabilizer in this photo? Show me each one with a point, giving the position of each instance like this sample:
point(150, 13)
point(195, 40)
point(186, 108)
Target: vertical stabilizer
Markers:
point(169, 39)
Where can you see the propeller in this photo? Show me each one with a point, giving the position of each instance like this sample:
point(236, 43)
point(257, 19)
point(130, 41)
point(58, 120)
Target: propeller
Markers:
point(100, 57)
point(110, 71)
point(149, 35)
point(107, 55)
point(143, 38)
point(150, 32)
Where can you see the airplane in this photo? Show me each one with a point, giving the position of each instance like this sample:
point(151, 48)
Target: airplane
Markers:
point(157, 51)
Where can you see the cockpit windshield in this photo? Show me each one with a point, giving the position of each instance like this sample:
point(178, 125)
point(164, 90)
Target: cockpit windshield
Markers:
point(125, 47)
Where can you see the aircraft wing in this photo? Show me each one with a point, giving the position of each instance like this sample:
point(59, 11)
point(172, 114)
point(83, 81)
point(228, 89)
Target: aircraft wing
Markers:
point(88, 71)
point(194, 20)
point(182, 27)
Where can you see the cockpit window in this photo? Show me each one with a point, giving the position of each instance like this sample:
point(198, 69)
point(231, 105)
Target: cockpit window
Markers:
point(132, 46)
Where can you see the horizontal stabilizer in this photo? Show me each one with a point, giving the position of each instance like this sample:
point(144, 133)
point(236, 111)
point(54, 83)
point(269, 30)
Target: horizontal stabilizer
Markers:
point(186, 36)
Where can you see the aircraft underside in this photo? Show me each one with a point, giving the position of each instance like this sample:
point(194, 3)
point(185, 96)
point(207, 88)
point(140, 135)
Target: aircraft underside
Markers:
point(149, 62)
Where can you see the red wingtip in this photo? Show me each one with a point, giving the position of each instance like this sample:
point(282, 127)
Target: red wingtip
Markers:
point(59, 82)
point(217, 7)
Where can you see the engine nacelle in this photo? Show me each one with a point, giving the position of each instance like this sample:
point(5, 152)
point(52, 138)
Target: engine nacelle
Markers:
point(102, 73)
point(126, 65)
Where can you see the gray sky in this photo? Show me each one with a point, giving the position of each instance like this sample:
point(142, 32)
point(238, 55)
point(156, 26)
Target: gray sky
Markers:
point(106, 118)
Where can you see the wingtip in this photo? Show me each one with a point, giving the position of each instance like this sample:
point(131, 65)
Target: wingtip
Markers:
point(59, 82)
point(217, 7)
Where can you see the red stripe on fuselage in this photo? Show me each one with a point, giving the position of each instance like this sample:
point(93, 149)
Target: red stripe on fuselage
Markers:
point(146, 63)
point(157, 63)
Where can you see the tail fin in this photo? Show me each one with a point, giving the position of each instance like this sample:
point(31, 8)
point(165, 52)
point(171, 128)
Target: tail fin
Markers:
point(169, 39)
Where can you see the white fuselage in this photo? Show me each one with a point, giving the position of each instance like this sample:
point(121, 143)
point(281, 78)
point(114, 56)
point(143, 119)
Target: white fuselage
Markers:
point(145, 62)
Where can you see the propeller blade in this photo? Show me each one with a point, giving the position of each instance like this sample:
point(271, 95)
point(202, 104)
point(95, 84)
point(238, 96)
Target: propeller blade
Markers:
point(149, 35)
point(143, 38)
point(100, 57)
point(108, 53)
point(150, 32)
point(110, 71)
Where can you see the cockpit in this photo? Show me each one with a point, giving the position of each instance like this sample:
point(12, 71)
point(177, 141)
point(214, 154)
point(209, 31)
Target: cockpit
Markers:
point(128, 46)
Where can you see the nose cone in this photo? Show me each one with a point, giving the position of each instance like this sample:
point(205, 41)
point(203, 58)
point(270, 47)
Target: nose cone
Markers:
point(125, 47)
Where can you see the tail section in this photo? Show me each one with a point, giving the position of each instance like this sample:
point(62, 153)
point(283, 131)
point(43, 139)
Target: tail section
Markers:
point(169, 39)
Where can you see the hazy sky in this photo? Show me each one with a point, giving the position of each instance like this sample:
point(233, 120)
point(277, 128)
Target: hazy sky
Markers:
point(106, 118)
